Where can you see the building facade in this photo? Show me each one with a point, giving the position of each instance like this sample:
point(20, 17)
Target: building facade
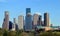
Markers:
point(20, 22)
point(28, 20)
point(6, 21)
point(13, 26)
point(35, 20)
point(40, 20)
point(46, 19)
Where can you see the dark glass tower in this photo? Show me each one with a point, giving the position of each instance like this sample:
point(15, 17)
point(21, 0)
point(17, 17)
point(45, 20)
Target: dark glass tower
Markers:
point(10, 25)
point(28, 10)
point(46, 19)
point(28, 20)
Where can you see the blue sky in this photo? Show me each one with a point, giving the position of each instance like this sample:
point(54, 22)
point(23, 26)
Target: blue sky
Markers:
point(17, 7)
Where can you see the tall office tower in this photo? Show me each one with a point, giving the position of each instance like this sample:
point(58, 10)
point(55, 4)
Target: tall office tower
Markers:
point(20, 22)
point(28, 11)
point(42, 23)
point(46, 19)
point(40, 20)
point(35, 20)
point(14, 24)
point(28, 20)
point(10, 25)
point(6, 21)
point(3, 25)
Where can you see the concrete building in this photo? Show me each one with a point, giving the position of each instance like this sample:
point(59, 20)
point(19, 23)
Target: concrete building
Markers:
point(20, 22)
point(35, 20)
point(28, 20)
point(15, 25)
point(14, 22)
point(6, 21)
point(46, 19)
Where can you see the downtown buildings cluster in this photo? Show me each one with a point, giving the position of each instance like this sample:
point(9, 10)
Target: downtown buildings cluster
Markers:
point(29, 23)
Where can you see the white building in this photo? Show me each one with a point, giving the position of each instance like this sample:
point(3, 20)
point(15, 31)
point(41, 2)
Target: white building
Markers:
point(20, 22)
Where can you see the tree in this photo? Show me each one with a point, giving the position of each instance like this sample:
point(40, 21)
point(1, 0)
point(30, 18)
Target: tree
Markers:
point(12, 33)
point(5, 33)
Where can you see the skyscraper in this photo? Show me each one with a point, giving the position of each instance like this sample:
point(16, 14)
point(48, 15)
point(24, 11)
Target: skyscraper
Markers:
point(40, 20)
point(20, 22)
point(28, 10)
point(46, 19)
point(28, 20)
point(6, 21)
point(35, 20)
point(14, 24)
point(10, 25)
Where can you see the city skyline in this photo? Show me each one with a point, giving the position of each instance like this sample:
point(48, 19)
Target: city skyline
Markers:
point(51, 6)
point(30, 22)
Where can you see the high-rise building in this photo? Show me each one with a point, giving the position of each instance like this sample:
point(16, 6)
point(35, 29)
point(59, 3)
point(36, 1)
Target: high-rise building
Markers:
point(10, 25)
point(46, 19)
point(35, 20)
point(20, 22)
point(13, 26)
point(42, 23)
point(28, 10)
point(28, 20)
point(3, 24)
point(40, 20)
point(6, 21)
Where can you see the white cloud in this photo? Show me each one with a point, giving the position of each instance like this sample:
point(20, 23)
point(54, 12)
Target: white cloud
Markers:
point(38, 13)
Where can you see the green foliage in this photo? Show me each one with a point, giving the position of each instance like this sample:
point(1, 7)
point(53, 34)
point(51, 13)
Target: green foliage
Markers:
point(31, 33)
point(12, 33)
point(1, 33)
point(5, 33)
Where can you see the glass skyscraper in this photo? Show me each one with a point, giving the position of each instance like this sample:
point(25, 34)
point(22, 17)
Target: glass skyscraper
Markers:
point(28, 20)
point(28, 10)
point(46, 19)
